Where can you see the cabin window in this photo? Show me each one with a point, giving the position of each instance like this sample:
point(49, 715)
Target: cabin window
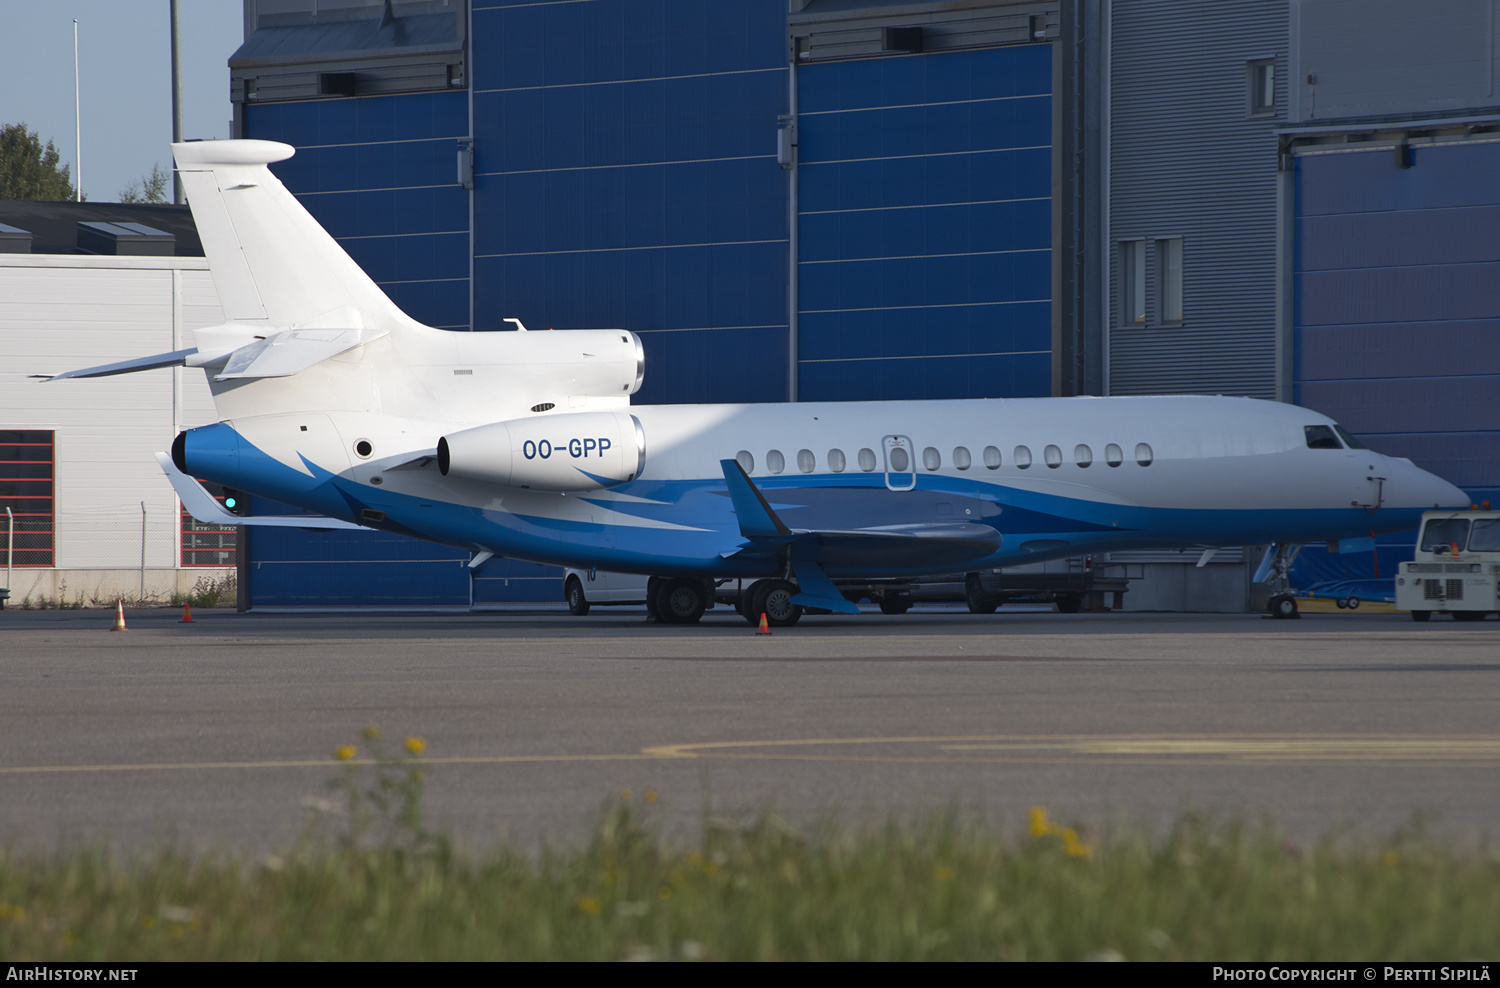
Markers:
point(1321, 437)
point(1022, 457)
point(1114, 455)
point(1083, 456)
point(775, 462)
point(806, 462)
point(836, 460)
point(931, 458)
point(1053, 457)
point(1143, 454)
point(992, 458)
point(867, 460)
point(961, 458)
point(745, 460)
point(900, 460)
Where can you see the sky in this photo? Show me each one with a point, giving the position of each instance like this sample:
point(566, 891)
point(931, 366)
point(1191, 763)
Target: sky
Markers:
point(125, 80)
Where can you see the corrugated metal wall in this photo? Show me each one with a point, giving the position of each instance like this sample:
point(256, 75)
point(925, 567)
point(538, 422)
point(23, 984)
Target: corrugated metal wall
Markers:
point(1397, 317)
point(925, 216)
point(1188, 160)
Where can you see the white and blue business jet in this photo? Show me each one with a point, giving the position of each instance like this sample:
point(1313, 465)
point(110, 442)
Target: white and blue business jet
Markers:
point(525, 444)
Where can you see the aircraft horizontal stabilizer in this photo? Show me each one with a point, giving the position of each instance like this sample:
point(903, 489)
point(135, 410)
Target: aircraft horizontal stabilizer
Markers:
point(286, 353)
point(152, 362)
point(202, 505)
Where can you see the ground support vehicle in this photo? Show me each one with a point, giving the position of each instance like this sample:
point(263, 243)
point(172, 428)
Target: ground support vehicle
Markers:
point(1457, 567)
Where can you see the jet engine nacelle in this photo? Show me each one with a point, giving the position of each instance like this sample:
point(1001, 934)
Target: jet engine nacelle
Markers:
point(577, 451)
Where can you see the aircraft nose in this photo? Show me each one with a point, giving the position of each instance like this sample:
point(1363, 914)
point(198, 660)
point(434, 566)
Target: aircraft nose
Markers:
point(1421, 489)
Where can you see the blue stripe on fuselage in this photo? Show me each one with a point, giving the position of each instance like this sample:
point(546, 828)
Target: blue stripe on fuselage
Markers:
point(709, 536)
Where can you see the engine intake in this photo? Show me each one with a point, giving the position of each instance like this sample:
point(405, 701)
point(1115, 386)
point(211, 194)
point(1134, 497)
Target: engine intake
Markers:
point(579, 451)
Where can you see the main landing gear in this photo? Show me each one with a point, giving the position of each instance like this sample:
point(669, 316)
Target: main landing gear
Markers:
point(677, 600)
point(773, 598)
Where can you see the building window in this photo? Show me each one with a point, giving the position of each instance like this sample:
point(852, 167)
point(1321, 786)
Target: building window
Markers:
point(1133, 282)
point(1260, 77)
point(26, 488)
point(205, 544)
point(1169, 279)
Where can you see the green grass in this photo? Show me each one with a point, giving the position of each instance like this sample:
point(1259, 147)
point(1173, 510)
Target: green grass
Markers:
point(763, 890)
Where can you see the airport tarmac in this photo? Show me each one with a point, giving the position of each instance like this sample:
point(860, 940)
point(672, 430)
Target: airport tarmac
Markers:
point(223, 732)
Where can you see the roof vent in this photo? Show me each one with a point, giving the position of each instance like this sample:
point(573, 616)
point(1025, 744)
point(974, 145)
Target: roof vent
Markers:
point(126, 239)
point(14, 240)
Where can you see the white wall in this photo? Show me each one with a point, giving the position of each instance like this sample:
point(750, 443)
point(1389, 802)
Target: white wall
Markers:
point(62, 312)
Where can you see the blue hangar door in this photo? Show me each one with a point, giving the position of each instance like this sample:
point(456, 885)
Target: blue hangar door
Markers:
point(1396, 318)
point(925, 225)
point(1397, 303)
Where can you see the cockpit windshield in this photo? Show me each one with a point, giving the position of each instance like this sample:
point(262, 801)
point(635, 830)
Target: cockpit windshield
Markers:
point(1321, 437)
point(1349, 439)
point(1486, 535)
point(1440, 534)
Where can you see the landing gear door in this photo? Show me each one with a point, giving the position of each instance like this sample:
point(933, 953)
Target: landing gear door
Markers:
point(900, 467)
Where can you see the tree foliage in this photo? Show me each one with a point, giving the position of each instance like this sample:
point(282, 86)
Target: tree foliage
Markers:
point(28, 170)
point(148, 188)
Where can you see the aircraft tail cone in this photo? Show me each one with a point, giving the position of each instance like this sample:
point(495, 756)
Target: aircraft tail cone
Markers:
point(119, 617)
point(187, 614)
point(765, 627)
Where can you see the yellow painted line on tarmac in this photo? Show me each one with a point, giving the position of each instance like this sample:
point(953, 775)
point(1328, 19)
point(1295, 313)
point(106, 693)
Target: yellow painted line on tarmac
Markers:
point(1136, 748)
point(1029, 749)
point(316, 763)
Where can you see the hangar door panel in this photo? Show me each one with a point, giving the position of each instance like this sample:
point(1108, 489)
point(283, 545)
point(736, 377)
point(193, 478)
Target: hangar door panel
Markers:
point(1397, 294)
point(924, 221)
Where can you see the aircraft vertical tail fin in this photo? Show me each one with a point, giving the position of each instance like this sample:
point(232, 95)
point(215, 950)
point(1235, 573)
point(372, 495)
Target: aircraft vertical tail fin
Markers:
point(272, 263)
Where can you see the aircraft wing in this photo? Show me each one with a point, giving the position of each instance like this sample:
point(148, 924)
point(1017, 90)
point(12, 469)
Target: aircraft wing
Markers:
point(931, 547)
point(203, 506)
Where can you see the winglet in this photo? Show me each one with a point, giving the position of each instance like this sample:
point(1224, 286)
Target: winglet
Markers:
point(756, 518)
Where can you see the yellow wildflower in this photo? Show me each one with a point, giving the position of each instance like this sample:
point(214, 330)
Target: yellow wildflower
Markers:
point(651, 796)
point(371, 733)
point(626, 795)
point(589, 905)
point(1390, 857)
point(416, 745)
point(1040, 825)
point(943, 873)
point(344, 752)
point(1073, 847)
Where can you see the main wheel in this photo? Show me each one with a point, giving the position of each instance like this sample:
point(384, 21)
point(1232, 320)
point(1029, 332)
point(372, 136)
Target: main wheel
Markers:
point(1070, 603)
point(573, 593)
point(894, 605)
point(681, 601)
point(1282, 605)
point(979, 602)
point(653, 587)
point(1421, 615)
point(773, 598)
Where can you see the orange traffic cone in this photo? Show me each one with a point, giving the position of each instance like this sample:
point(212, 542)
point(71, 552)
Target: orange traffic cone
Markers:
point(187, 614)
point(119, 617)
point(765, 627)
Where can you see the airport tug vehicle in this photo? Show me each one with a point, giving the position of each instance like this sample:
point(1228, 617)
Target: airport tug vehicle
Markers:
point(1457, 567)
